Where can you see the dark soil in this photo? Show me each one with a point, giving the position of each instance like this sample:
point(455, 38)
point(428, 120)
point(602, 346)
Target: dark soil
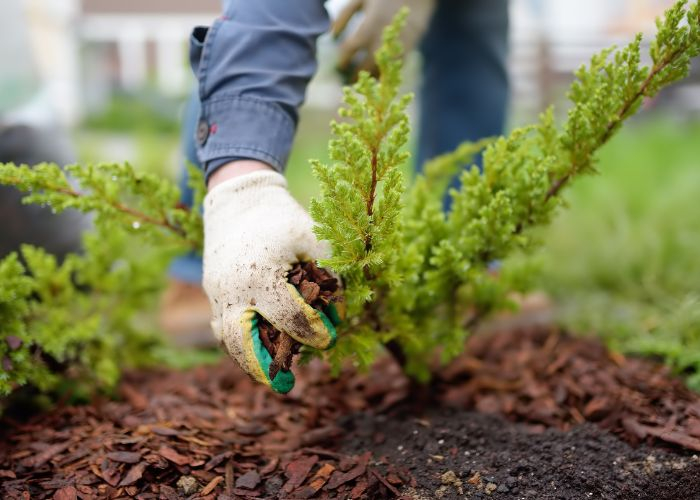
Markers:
point(592, 425)
point(463, 454)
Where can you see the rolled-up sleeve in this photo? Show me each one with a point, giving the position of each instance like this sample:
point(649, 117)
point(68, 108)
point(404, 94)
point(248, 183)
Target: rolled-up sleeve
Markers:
point(253, 66)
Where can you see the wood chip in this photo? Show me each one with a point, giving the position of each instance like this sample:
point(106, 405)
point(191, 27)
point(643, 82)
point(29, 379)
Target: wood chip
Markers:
point(165, 431)
point(109, 471)
point(173, 455)
point(309, 291)
point(386, 483)
point(249, 481)
point(340, 478)
point(317, 481)
point(270, 467)
point(66, 493)
point(126, 457)
point(47, 454)
point(229, 477)
point(297, 471)
point(134, 397)
point(134, 474)
point(211, 486)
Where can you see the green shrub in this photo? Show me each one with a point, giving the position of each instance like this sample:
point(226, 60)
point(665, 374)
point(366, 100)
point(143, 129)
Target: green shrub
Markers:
point(416, 279)
point(83, 318)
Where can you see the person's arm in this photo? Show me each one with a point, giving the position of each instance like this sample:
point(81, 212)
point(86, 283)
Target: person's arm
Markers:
point(253, 66)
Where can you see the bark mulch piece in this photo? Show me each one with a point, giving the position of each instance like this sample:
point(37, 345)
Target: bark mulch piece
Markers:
point(211, 433)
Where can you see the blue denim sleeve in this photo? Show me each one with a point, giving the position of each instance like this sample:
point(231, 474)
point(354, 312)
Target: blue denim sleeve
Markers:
point(253, 66)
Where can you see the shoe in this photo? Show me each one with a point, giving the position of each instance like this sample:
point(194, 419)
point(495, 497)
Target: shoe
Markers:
point(185, 315)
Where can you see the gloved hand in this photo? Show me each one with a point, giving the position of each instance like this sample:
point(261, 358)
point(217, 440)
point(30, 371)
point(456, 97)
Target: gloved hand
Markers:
point(253, 232)
point(368, 36)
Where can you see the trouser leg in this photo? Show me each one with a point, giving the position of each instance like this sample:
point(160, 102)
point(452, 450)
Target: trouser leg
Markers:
point(188, 268)
point(184, 311)
point(464, 90)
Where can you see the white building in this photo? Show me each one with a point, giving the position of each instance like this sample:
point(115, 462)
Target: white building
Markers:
point(142, 41)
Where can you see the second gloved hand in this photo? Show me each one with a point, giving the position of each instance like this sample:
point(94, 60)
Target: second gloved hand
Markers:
point(357, 50)
point(253, 232)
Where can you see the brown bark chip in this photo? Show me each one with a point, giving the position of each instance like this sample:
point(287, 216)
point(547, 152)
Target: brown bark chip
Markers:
point(284, 353)
point(373, 435)
point(134, 474)
point(309, 291)
point(109, 471)
point(211, 486)
point(66, 493)
point(173, 455)
point(250, 480)
point(297, 471)
point(358, 470)
point(44, 456)
point(126, 457)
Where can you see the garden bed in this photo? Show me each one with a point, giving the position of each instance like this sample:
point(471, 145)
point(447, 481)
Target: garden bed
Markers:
point(524, 414)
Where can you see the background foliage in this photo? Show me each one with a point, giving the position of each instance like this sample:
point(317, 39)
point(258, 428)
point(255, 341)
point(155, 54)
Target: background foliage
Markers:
point(622, 262)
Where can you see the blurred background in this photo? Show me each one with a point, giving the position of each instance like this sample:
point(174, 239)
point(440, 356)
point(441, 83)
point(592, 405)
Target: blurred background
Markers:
point(113, 74)
point(105, 80)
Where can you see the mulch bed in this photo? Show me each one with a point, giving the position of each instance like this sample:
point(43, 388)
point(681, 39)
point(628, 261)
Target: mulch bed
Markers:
point(590, 424)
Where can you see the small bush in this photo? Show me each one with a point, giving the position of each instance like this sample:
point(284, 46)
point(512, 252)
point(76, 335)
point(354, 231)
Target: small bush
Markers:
point(417, 279)
point(83, 318)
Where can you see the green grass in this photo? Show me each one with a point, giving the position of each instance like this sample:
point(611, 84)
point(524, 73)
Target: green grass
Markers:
point(622, 261)
point(146, 110)
point(311, 143)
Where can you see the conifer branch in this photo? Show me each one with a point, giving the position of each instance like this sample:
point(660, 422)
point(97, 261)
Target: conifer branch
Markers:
point(370, 207)
point(620, 116)
point(142, 200)
point(141, 217)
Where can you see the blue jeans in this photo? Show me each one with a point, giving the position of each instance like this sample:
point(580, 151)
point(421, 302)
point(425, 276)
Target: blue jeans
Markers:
point(463, 93)
point(188, 268)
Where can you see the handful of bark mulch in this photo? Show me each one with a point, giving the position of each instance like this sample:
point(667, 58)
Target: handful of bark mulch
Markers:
point(317, 286)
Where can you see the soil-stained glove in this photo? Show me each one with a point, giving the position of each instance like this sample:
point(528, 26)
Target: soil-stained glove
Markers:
point(253, 232)
point(368, 36)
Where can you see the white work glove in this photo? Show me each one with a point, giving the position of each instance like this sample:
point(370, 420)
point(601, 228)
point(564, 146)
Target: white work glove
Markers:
point(368, 36)
point(253, 232)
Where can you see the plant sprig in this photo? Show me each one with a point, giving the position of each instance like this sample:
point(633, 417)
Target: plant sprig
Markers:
point(434, 282)
point(113, 192)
